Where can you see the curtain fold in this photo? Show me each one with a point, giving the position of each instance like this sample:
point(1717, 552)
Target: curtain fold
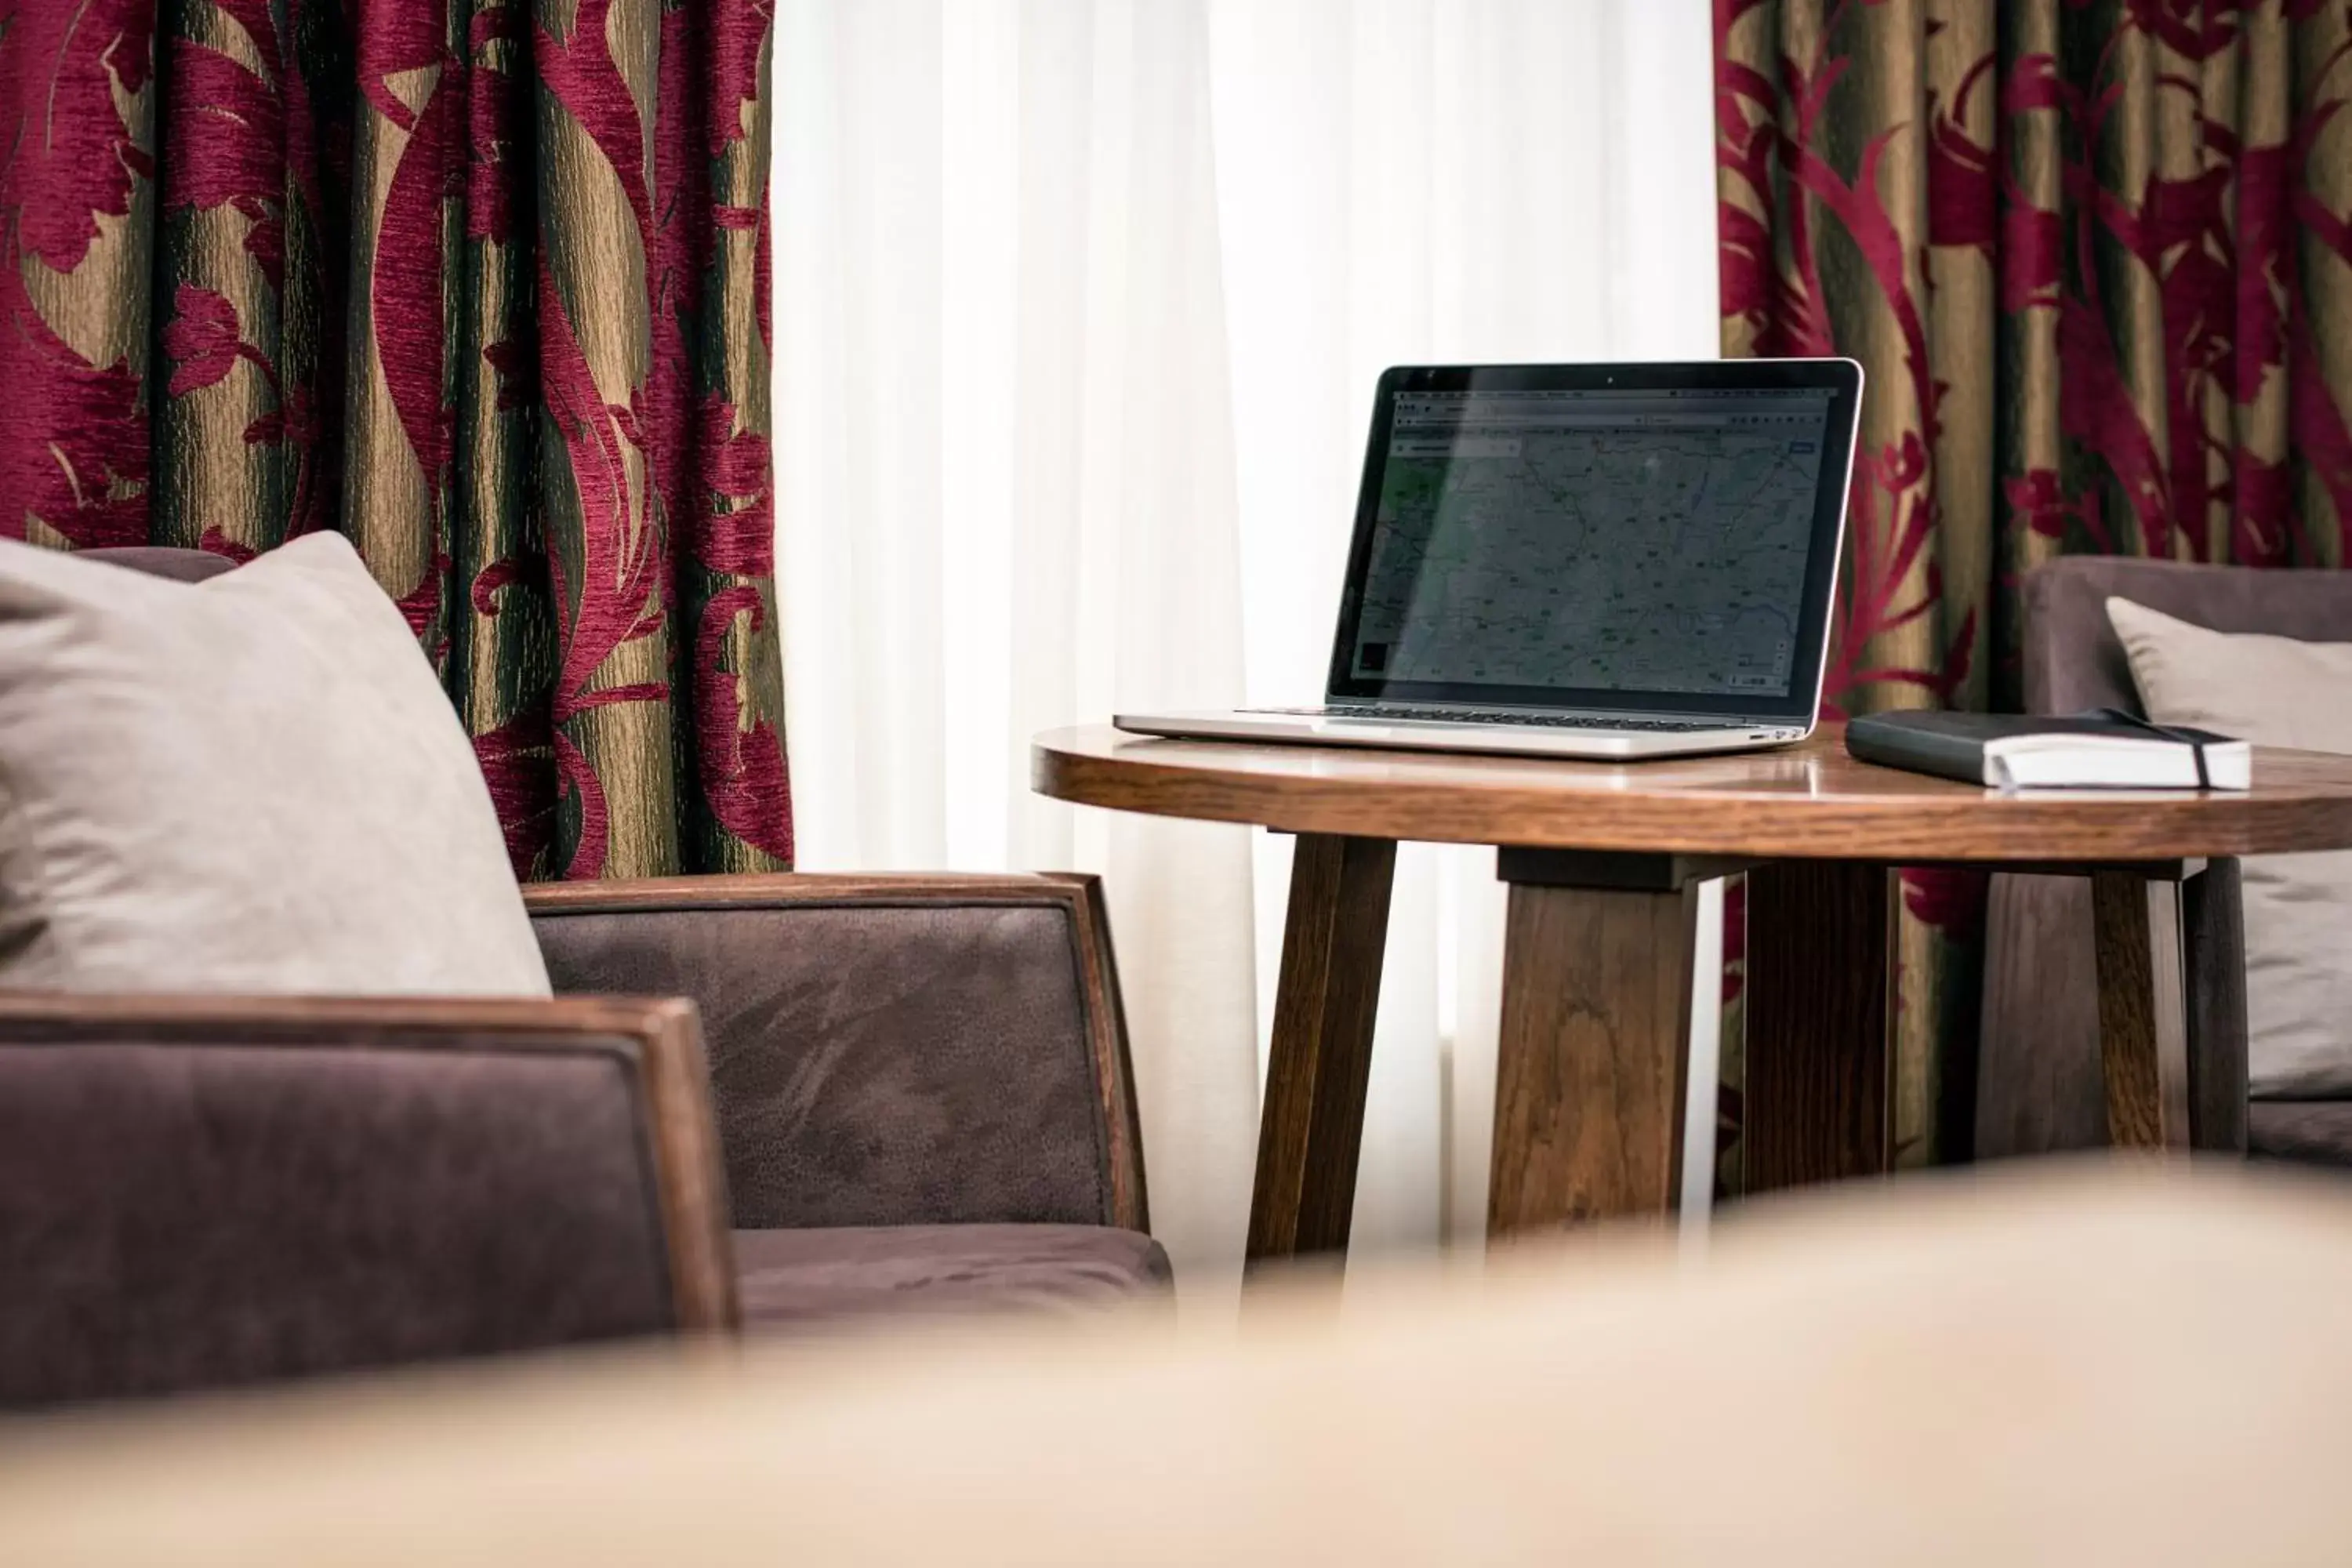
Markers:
point(483, 284)
point(2096, 258)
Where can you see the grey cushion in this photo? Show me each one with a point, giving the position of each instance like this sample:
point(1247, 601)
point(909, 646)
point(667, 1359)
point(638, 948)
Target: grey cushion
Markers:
point(808, 1277)
point(250, 785)
point(161, 561)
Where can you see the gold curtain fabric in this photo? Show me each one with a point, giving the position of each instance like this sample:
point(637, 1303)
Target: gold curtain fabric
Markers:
point(482, 283)
point(2096, 258)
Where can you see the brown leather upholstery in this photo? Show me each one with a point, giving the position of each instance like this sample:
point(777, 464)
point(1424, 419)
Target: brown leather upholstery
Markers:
point(883, 1051)
point(2312, 1131)
point(921, 1082)
point(159, 561)
point(805, 1278)
point(2040, 1086)
point(194, 1196)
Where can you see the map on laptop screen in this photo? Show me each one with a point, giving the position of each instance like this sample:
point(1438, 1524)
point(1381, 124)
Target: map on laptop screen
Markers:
point(1636, 541)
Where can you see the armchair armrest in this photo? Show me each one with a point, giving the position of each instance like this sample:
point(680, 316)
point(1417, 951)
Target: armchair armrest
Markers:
point(197, 1191)
point(885, 1049)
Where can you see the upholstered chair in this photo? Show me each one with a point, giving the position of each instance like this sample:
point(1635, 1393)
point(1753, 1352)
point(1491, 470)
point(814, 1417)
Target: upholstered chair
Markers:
point(835, 1099)
point(2040, 1087)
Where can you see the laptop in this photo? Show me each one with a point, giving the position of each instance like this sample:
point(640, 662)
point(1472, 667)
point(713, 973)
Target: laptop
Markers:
point(1583, 561)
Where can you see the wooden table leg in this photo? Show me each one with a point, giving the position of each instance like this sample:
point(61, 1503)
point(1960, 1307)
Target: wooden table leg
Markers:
point(1593, 1055)
point(2215, 950)
point(1312, 1123)
point(1818, 1103)
point(2172, 1007)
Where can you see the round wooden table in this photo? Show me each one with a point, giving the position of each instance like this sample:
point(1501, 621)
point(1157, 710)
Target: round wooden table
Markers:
point(1603, 861)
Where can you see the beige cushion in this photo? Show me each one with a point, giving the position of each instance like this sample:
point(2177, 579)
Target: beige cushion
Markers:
point(252, 784)
point(2144, 1370)
point(2273, 691)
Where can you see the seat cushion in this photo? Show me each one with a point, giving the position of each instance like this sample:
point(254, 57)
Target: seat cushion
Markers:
point(253, 784)
point(786, 1277)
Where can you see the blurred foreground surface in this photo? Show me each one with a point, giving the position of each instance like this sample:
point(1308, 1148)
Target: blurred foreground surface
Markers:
point(2096, 1364)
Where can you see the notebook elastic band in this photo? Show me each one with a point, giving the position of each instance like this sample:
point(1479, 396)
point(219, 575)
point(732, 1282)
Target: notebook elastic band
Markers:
point(2182, 737)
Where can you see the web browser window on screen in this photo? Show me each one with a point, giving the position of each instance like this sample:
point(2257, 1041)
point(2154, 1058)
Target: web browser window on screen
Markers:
point(1649, 541)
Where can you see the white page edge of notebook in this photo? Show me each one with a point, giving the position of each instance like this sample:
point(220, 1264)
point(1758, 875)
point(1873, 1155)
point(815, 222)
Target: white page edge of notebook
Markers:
point(2035, 762)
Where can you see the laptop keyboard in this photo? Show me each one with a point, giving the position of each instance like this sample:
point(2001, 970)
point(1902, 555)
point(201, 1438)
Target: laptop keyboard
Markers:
point(1492, 716)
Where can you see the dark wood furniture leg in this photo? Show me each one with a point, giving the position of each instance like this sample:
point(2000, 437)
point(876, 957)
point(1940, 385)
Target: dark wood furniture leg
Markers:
point(2172, 1006)
point(2211, 907)
point(1817, 1106)
point(1321, 1059)
point(2143, 1010)
point(1594, 1053)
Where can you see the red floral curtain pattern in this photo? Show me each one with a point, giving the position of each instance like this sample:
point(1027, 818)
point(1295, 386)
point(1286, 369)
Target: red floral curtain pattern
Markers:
point(482, 283)
point(2096, 258)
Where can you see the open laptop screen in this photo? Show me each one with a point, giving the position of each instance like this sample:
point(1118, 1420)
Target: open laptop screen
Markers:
point(1607, 543)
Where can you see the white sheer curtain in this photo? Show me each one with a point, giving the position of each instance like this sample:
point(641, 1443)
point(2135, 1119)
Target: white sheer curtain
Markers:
point(1078, 304)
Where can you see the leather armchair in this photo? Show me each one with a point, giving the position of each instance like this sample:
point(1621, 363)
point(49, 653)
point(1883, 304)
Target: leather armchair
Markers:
point(863, 1095)
point(2039, 1083)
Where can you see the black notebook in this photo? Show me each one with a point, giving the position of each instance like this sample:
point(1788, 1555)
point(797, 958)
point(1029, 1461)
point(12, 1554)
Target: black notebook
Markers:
point(2106, 749)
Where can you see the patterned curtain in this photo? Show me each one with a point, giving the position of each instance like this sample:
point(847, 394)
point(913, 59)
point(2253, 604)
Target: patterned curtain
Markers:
point(483, 284)
point(2096, 256)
